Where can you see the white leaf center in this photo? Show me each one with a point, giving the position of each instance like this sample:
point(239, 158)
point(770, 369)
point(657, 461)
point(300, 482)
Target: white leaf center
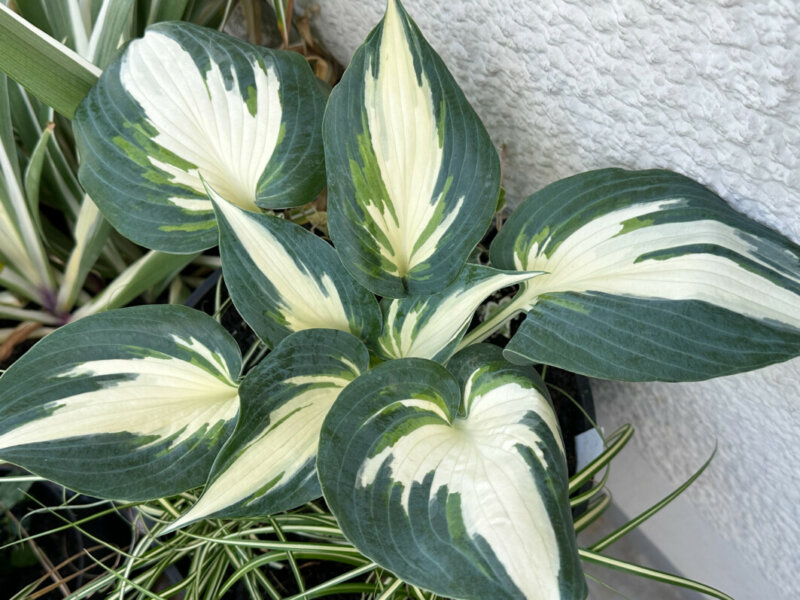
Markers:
point(203, 119)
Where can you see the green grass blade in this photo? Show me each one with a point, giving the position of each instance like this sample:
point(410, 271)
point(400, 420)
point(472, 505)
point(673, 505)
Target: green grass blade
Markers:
point(111, 24)
point(614, 443)
point(591, 493)
point(21, 244)
point(91, 232)
point(597, 506)
point(619, 565)
point(283, 14)
point(35, 12)
point(146, 272)
point(13, 281)
point(33, 173)
point(610, 588)
point(299, 547)
point(166, 10)
point(634, 523)
point(29, 121)
point(292, 562)
point(6, 130)
point(208, 14)
point(255, 564)
point(318, 590)
point(49, 70)
point(23, 314)
point(70, 12)
point(389, 592)
point(63, 20)
point(13, 251)
point(142, 590)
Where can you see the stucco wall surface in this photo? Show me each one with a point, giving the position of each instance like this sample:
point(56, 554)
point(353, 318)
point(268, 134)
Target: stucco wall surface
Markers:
point(710, 88)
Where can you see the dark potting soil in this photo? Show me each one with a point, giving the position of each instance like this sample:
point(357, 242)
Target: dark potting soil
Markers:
point(17, 351)
point(23, 514)
point(203, 299)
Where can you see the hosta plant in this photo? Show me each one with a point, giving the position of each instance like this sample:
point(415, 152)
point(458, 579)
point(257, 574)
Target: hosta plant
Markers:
point(439, 455)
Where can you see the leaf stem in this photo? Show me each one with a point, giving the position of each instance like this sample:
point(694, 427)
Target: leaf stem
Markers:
point(520, 302)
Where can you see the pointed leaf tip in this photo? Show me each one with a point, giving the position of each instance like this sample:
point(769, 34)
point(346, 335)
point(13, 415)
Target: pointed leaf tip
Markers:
point(283, 278)
point(268, 464)
point(413, 175)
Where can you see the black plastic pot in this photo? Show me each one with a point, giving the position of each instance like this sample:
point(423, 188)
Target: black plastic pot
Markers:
point(203, 298)
point(573, 402)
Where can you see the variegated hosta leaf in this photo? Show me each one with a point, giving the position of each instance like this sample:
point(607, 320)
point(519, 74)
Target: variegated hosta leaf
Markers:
point(268, 465)
point(283, 278)
point(185, 102)
point(129, 404)
point(468, 502)
point(651, 276)
point(431, 326)
point(413, 177)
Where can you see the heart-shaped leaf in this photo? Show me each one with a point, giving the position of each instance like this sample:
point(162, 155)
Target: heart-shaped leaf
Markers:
point(268, 464)
point(130, 404)
point(461, 492)
point(413, 177)
point(649, 276)
point(283, 278)
point(185, 103)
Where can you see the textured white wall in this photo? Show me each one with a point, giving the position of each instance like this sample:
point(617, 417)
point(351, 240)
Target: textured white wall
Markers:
point(710, 88)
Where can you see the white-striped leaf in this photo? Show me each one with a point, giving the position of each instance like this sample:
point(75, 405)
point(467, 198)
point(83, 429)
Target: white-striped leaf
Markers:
point(185, 102)
point(283, 278)
point(650, 276)
point(413, 177)
point(268, 465)
point(456, 484)
point(432, 326)
point(91, 231)
point(283, 13)
point(21, 248)
point(130, 404)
